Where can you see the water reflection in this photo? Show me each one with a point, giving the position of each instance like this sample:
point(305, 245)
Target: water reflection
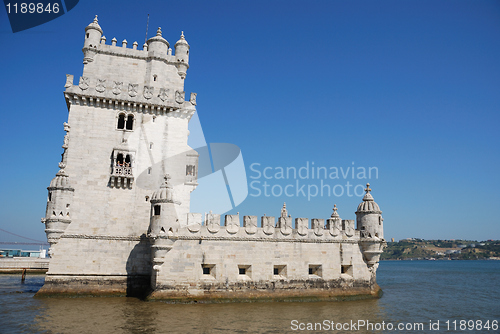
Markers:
point(129, 315)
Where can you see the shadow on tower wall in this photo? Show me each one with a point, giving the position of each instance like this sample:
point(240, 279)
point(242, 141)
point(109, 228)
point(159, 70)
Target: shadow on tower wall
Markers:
point(139, 269)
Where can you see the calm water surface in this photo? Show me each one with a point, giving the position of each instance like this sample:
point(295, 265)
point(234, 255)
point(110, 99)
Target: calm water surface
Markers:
point(414, 292)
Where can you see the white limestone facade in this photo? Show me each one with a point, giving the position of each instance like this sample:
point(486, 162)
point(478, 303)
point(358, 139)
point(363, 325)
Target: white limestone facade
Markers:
point(118, 218)
point(127, 126)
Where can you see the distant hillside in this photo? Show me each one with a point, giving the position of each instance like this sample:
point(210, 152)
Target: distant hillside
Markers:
point(442, 249)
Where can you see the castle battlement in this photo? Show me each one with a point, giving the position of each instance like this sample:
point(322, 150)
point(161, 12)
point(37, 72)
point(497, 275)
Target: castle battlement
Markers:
point(270, 229)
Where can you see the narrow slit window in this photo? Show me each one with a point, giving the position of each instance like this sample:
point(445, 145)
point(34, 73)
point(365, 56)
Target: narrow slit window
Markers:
point(157, 210)
point(121, 122)
point(130, 122)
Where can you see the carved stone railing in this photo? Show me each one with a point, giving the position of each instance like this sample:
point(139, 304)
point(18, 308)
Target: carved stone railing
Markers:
point(121, 177)
point(122, 171)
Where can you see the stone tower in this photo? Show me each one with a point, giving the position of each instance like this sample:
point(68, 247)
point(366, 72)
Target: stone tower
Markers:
point(118, 217)
point(129, 127)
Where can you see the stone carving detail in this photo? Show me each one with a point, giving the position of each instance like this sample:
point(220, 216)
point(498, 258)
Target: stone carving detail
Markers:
point(84, 83)
point(348, 227)
point(179, 96)
point(334, 226)
point(250, 224)
point(301, 226)
point(66, 136)
point(132, 89)
point(318, 226)
point(213, 222)
point(148, 92)
point(267, 224)
point(285, 221)
point(69, 81)
point(194, 222)
point(101, 85)
point(117, 87)
point(192, 99)
point(163, 95)
point(232, 223)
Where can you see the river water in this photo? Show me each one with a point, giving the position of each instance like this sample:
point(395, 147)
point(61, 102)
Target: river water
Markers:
point(417, 294)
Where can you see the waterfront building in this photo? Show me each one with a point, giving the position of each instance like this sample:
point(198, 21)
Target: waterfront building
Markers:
point(118, 214)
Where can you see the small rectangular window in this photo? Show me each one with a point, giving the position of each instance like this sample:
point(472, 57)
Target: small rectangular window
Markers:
point(244, 271)
point(346, 270)
point(157, 209)
point(280, 271)
point(208, 270)
point(315, 270)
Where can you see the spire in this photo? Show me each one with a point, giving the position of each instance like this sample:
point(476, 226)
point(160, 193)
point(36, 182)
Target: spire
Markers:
point(284, 212)
point(182, 40)
point(158, 32)
point(335, 214)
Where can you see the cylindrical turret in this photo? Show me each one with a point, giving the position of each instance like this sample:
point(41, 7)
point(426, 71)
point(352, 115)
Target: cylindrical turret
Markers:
point(369, 217)
point(182, 55)
point(57, 215)
point(158, 46)
point(93, 33)
point(164, 218)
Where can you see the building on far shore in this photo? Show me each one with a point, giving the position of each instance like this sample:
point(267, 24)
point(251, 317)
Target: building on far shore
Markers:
point(42, 253)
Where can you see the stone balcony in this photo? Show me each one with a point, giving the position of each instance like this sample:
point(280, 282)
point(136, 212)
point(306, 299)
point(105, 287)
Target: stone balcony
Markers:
point(121, 177)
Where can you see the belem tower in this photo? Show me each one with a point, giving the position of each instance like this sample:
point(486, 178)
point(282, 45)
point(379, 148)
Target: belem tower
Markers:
point(118, 214)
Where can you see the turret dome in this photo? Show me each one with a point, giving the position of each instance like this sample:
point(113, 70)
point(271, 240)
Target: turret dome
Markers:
point(182, 40)
point(61, 181)
point(368, 205)
point(158, 38)
point(165, 193)
point(94, 25)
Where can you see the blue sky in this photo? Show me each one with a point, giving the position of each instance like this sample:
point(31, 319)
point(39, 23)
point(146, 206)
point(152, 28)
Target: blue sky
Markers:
point(409, 87)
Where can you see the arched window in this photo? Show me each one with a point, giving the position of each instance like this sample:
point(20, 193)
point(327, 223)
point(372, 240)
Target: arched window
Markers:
point(119, 159)
point(130, 122)
point(121, 121)
point(128, 162)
